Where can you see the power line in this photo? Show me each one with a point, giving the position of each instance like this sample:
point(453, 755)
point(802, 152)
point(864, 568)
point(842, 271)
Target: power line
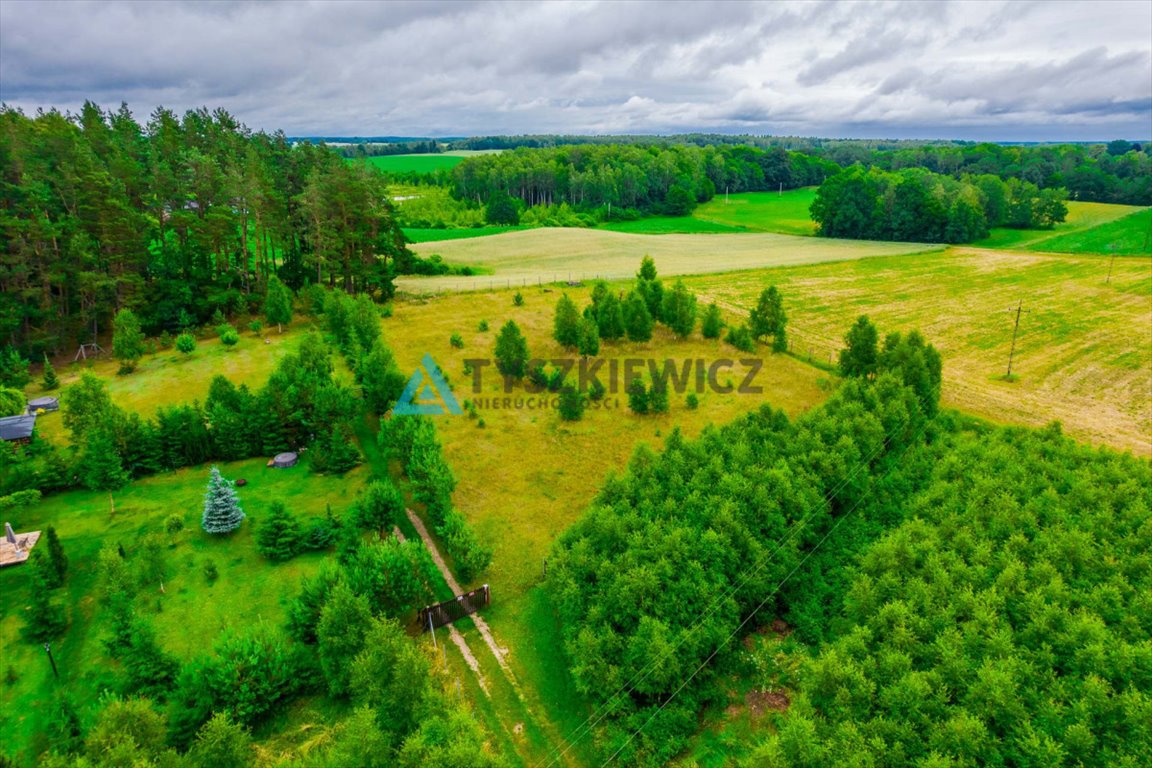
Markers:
point(597, 716)
point(770, 595)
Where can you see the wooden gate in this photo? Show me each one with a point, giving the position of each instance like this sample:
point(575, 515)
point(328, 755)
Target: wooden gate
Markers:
point(457, 608)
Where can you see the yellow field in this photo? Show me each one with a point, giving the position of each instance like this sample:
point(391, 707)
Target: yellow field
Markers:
point(531, 256)
point(1084, 352)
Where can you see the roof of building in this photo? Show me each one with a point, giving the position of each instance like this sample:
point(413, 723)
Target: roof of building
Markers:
point(17, 427)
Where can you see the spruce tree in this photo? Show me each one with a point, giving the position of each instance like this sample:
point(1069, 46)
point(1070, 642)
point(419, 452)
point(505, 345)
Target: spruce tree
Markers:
point(610, 317)
point(566, 328)
point(222, 512)
point(56, 555)
point(45, 615)
point(589, 342)
point(712, 324)
point(511, 351)
point(637, 318)
point(49, 380)
point(278, 536)
point(572, 403)
point(638, 397)
point(679, 310)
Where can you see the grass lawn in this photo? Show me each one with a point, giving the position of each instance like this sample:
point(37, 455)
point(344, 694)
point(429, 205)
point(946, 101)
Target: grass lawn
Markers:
point(1127, 236)
point(190, 613)
point(786, 213)
point(525, 476)
point(426, 163)
point(670, 225)
point(417, 235)
point(550, 254)
point(170, 377)
point(1082, 217)
point(1084, 352)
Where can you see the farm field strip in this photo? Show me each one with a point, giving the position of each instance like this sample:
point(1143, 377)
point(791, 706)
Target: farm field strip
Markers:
point(555, 254)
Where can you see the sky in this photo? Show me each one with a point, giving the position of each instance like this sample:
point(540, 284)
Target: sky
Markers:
point(999, 71)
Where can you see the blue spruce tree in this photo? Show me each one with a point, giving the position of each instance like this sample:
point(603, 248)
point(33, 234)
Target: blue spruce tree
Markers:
point(222, 512)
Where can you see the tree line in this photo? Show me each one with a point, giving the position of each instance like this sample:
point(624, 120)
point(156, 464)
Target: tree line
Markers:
point(177, 215)
point(632, 179)
point(915, 205)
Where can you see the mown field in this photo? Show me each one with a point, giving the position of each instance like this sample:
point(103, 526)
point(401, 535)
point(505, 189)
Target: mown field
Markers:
point(551, 254)
point(1084, 352)
point(786, 212)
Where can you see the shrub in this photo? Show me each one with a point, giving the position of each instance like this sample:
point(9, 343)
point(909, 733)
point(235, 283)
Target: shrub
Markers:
point(173, 524)
point(692, 401)
point(186, 343)
point(741, 338)
point(572, 403)
point(255, 326)
point(457, 341)
point(518, 299)
point(211, 572)
point(483, 326)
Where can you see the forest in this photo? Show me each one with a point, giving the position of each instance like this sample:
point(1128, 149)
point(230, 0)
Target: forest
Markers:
point(176, 219)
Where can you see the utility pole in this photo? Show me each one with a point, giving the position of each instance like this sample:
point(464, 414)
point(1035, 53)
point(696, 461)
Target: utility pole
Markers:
point(51, 660)
point(725, 194)
point(781, 194)
point(1111, 261)
point(1015, 329)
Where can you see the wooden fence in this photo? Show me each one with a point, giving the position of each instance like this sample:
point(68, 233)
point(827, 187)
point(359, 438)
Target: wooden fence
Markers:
point(457, 608)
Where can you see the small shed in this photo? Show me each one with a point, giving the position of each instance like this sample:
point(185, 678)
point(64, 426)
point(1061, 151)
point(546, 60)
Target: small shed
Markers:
point(43, 404)
point(17, 429)
point(15, 547)
point(284, 460)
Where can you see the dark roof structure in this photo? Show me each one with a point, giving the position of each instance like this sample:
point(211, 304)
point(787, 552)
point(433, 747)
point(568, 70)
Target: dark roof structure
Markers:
point(17, 427)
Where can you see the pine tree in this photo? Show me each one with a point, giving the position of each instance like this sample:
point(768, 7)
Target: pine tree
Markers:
point(278, 303)
point(49, 380)
point(186, 343)
point(511, 351)
point(56, 555)
point(222, 512)
point(13, 369)
point(637, 318)
point(647, 268)
point(278, 536)
point(566, 328)
point(344, 621)
point(336, 451)
point(127, 340)
point(45, 616)
point(712, 324)
point(589, 342)
point(381, 507)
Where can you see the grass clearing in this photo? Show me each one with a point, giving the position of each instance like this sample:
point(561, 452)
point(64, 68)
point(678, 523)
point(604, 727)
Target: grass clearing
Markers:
point(1127, 236)
point(551, 254)
point(1084, 352)
point(417, 235)
point(670, 225)
point(784, 213)
point(424, 163)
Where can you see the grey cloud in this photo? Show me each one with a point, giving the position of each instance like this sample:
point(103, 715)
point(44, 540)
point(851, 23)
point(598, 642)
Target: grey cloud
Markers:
point(420, 68)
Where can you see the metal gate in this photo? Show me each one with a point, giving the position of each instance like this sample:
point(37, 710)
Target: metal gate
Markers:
point(457, 608)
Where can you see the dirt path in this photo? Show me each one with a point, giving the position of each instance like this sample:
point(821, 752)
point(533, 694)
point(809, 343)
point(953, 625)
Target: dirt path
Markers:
point(453, 633)
point(481, 625)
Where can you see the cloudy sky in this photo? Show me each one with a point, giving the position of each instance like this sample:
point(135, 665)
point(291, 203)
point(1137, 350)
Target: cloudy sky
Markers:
point(983, 70)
